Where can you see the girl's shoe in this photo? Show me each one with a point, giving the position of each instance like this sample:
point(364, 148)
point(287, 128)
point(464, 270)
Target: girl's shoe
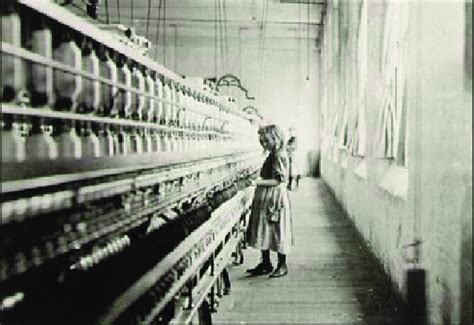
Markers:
point(280, 271)
point(261, 269)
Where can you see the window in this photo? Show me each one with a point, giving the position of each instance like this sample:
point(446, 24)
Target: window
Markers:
point(393, 131)
point(358, 141)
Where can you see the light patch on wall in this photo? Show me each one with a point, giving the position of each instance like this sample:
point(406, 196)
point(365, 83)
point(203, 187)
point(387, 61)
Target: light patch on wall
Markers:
point(468, 44)
point(395, 182)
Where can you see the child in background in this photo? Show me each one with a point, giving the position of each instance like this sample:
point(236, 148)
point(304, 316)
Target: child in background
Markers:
point(292, 146)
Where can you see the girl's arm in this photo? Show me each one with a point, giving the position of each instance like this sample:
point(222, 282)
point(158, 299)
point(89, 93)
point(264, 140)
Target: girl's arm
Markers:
point(267, 182)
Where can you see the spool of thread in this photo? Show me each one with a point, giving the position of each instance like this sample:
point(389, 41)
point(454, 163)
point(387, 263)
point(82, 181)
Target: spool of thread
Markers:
point(67, 140)
point(124, 76)
point(40, 84)
point(67, 86)
point(106, 142)
point(139, 101)
point(108, 70)
point(39, 144)
point(150, 89)
point(158, 113)
point(12, 80)
point(90, 96)
point(148, 141)
point(90, 143)
point(13, 143)
point(136, 142)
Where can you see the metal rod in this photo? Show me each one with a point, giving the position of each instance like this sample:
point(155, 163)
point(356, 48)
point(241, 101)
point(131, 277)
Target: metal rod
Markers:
point(215, 38)
point(45, 113)
point(240, 52)
point(261, 52)
point(107, 11)
point(139, 4)
point(131, 12)
point(158, 31)
point(221, 47)
point(309, 2)
point(148, 18)
point(118, 11)
point(307, 43)
point(175, 47)
point(225, 36)
point(164, 32)
point(217, 20)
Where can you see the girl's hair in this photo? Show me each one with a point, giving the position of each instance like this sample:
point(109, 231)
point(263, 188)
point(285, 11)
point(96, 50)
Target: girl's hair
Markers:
point(274, 134)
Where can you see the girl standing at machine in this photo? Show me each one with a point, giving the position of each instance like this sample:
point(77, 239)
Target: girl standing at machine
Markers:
point(270, 224)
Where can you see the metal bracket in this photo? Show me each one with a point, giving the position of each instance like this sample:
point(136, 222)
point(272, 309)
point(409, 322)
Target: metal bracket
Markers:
point(231, 80)
point(416, 244)
point(207, 118)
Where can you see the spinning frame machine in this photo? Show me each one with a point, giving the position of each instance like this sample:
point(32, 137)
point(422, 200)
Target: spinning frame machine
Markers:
point(125, 188)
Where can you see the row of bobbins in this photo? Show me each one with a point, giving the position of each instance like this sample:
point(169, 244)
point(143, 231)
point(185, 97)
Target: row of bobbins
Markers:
point(132, 93)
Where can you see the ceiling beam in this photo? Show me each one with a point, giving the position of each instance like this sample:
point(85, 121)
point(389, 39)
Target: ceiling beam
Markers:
point(204, 21)
point(305, 2)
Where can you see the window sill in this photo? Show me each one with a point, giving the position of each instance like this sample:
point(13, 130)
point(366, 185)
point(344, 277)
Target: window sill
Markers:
point(333, 155)
point(341, 154)
point(395, 181)
point(343, 157)
point(361, 170)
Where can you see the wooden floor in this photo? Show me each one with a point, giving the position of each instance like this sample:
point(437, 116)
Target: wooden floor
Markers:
point(332, 278)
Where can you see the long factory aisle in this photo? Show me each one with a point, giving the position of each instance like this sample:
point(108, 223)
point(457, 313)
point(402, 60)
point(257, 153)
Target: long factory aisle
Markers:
point(332, 278)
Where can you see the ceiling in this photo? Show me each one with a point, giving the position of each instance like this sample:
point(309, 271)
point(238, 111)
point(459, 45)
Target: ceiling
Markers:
point(256, 40)
point(200, 19)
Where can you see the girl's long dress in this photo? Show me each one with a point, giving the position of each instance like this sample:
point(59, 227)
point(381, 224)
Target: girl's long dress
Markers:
point(270, 224)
